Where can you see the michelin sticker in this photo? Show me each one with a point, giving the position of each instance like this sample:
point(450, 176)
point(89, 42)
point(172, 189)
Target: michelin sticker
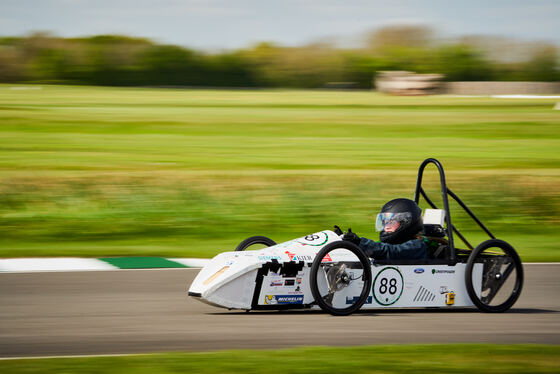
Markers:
point(283, 299)
point(388, 286)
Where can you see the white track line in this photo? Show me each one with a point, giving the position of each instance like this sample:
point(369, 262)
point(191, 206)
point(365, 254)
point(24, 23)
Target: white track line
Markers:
point(191, 262)
point(75, 264)
point(92, 271)
point(78, 356)
point(59, 264)
point(29, 265)
point(526, 96)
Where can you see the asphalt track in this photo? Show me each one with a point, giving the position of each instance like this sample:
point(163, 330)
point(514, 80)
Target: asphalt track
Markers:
point(114, 312)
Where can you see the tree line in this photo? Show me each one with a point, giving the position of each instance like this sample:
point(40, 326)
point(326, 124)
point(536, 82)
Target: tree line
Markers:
point(117, 60)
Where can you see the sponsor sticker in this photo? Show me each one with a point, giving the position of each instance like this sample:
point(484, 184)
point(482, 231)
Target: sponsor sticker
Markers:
point(294, 257)
point(283, 299)
point(276, 283)
point(297, 291)
point(287, 244)
point(268, 258)
point(289, 282)
point(443, 289)
point(352, 300)
point(327, 258)
point(450, 298)
point(418, 270)
point(442, 271)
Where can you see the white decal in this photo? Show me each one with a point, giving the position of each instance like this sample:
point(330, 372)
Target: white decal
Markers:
point(388, 286)
point(316, 239)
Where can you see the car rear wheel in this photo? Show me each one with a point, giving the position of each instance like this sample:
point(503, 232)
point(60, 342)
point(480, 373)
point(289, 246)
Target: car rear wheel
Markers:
point(340, 278)
point(254, 240)
point(494, 276)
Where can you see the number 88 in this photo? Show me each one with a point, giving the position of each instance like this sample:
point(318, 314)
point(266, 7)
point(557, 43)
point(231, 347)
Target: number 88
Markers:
point(392, 286)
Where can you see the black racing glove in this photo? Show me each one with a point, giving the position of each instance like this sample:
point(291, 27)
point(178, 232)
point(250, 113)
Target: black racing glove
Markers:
point(351, 237)
point(337, 230)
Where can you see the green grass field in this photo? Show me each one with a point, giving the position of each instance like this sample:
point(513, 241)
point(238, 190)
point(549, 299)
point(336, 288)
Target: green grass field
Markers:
point(90, 171)
point(449, 358)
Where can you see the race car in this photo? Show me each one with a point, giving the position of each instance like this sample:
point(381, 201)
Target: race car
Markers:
point(321, 270)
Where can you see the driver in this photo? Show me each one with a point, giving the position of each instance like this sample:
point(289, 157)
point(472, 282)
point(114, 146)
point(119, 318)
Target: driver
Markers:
point(399, 224)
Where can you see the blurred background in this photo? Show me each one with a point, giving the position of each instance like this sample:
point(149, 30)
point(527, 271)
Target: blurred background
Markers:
point(179, 128)
point(121, 60)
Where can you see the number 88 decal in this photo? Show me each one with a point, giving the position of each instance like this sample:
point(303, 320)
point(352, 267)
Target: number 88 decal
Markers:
point(388, 286)
point(317, 239)
point(392, 286)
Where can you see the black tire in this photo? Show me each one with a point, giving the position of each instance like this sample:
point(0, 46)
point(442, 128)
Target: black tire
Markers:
point(494, 276)
point(255, 240)
point(366, 277)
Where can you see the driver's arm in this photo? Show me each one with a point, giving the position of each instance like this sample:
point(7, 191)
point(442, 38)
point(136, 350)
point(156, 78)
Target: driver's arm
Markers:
point(414, 249)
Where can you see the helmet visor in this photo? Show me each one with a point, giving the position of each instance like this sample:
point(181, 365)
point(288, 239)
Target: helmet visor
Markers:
point(390, 222)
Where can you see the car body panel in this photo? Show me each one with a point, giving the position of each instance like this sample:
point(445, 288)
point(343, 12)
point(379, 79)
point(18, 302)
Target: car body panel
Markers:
point(277, 277)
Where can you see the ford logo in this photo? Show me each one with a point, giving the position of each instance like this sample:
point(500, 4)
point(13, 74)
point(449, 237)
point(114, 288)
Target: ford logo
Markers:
point(418, 270)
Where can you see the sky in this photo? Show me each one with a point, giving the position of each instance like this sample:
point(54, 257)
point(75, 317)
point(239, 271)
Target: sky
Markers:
point(231, 24)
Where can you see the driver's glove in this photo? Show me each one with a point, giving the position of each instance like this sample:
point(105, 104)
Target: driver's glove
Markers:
point(351, 237)
point(337, 230)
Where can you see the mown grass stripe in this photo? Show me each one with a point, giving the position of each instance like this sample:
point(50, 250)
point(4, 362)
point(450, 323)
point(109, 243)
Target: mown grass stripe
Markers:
point(142, 262)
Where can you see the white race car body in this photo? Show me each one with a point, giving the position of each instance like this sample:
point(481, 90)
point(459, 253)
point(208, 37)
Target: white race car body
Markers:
point(277, 277)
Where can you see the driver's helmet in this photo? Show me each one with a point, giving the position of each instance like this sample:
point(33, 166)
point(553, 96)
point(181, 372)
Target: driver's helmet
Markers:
point(399, 221)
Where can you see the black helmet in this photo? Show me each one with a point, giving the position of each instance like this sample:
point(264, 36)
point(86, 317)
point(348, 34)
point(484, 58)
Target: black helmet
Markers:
point(399, 221)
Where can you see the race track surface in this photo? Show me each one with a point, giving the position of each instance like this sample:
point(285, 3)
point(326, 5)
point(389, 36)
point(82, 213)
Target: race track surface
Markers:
point(140, 311)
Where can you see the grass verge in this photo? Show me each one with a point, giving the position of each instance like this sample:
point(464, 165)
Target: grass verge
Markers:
point(449, 358)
